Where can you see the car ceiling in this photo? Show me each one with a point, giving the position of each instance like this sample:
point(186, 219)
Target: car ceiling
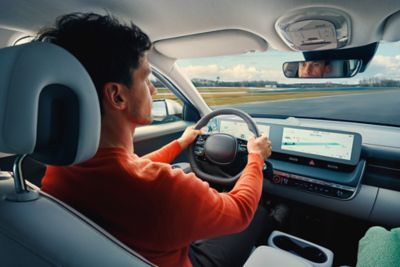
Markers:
point(168, 19)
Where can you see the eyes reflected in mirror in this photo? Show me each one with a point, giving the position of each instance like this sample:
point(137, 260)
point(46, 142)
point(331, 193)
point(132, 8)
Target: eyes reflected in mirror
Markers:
point(322, 68)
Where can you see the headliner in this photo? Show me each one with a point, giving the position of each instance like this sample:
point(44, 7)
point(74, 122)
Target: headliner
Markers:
point(164, 19)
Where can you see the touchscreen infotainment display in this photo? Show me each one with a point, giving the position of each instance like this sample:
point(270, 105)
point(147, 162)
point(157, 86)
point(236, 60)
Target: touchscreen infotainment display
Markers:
point(328, 144)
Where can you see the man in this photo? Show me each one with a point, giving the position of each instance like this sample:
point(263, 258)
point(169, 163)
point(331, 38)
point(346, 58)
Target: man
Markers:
point(154, 209)
point(314, 69)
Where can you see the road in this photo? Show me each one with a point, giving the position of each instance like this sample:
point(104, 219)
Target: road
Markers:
point(383, 107)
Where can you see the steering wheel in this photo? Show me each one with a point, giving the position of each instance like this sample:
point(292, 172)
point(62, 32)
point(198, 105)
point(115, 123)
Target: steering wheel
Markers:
point(219, 149)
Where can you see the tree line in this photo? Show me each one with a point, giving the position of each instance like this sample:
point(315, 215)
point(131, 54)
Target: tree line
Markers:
point(379, 82)
point(367, 82)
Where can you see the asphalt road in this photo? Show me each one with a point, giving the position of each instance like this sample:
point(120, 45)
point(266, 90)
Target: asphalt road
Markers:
point(383, 107)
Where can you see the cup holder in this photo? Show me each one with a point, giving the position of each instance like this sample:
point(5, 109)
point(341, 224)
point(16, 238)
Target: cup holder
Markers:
point(300, 248)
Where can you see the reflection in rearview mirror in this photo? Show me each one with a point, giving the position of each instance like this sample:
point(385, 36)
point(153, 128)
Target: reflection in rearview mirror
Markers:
point(322, 68)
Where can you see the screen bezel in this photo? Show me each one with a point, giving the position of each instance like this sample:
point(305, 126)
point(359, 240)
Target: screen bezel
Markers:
point(277, 134)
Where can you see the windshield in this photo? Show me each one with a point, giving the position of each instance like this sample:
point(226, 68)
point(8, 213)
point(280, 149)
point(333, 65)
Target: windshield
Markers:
point(255, 83)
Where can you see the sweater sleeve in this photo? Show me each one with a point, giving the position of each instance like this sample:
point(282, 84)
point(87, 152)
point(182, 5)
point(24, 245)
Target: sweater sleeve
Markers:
point(195, 211)
point(166, 154)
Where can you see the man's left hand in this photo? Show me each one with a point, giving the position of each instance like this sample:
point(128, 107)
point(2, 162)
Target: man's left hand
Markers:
point(188, 136)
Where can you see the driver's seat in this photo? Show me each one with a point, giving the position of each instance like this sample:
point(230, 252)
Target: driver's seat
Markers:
point(49, 111)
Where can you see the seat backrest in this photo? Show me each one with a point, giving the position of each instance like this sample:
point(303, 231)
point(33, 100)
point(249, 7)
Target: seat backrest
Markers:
point(47, 232)
point(49, 110)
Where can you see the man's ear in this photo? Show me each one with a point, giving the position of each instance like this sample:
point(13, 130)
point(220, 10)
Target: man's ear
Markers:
point(114, 96)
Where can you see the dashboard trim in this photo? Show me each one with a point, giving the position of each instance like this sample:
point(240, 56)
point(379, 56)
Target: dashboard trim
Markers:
point(316, 181)
point(333, 185)
point(359, 206)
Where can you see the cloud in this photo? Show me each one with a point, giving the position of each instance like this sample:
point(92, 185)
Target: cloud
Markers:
point(204, 72)
point(390, 63)
point(384, 67)
point(238, 72)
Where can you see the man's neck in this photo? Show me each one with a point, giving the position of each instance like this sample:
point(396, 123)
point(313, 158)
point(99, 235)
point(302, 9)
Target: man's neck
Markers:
point(116, 133)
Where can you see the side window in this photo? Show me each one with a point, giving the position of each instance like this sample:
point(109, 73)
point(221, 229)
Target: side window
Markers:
point(166, 106)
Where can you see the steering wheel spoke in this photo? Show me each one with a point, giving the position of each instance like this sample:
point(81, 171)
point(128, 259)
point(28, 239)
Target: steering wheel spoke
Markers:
point(198, 148)
point(242, 146)
point(215, 169)
point(201, 139)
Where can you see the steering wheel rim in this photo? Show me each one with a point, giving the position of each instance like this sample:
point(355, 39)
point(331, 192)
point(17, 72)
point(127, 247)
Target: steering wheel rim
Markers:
point(203, 122)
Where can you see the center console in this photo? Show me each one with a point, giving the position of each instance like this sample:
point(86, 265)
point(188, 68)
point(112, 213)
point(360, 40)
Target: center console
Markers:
point(287, 250)
point(314, 254)
point(324, 162)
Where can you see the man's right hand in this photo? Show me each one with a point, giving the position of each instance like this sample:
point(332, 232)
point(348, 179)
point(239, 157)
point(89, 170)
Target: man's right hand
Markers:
point(261, 145)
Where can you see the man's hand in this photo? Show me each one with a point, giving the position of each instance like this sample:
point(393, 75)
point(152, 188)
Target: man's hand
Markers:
point(261, 145)
point(188, 136)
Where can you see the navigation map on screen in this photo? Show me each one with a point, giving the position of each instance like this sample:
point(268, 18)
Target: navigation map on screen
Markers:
point(333, 145)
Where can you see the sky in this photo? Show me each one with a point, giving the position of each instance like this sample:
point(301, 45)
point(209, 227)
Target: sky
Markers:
point(268, 66)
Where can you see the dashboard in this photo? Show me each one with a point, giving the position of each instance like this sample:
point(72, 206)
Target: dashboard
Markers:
point(319, 144)
point(344, 167)
point(321, 161)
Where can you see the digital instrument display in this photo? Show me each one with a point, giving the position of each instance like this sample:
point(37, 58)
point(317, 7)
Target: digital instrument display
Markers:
point(327, 144)
point(239, 129)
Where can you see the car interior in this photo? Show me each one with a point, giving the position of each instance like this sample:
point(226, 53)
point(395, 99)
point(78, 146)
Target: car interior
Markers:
point(338, 174)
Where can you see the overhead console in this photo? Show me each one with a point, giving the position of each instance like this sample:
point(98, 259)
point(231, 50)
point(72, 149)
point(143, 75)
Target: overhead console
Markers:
point(319, 161)
point(314, 28)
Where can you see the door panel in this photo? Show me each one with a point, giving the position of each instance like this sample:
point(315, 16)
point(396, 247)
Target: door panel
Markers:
point(150, 138)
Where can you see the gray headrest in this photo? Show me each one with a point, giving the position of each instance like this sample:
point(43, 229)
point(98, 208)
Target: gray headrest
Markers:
point(48, 105)
point(336, 69)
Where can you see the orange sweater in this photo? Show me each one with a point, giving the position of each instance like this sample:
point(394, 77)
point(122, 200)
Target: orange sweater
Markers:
point(154, 209)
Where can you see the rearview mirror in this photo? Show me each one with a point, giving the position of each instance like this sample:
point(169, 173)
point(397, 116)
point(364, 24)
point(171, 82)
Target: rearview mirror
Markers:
point(322, 68)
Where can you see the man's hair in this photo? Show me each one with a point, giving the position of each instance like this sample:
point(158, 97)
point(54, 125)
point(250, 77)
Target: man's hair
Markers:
point(109, 50)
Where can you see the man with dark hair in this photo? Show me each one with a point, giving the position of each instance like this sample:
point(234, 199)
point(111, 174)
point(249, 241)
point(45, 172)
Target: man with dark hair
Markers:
point(314, 69)
point(108, 50)
point(154, 209)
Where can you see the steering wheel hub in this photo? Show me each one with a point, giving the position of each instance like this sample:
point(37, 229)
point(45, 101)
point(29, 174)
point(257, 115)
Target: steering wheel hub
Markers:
point(221, 148)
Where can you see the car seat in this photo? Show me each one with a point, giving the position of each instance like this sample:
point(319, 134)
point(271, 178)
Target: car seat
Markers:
point(49, 110)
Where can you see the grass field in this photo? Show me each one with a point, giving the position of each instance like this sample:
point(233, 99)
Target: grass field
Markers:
point(237, 95)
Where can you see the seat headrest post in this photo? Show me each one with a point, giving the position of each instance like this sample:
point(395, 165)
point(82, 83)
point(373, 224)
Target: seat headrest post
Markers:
point(19, 181)
point(21, 193)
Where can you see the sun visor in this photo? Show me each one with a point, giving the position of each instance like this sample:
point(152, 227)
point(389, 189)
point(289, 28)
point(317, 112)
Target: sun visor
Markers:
point(391, 31)
point(217, 43)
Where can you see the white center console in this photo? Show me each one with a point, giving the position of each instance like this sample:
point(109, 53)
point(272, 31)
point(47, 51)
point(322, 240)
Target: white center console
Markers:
point(272, 257)
point(312, 253)
point(291, 251)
